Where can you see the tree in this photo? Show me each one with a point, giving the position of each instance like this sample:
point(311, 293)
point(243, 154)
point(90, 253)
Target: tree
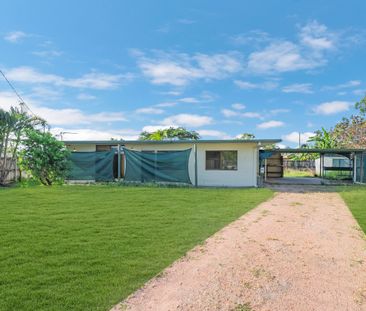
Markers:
point(246, 136)
point(44, 157)
point(13, 124)
point(361, 106)
point(171, 133)
point(350, 132)
point(323, 139)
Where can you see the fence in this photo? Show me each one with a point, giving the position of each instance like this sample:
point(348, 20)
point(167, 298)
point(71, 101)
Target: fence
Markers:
point(12, 171)
point(299, 164)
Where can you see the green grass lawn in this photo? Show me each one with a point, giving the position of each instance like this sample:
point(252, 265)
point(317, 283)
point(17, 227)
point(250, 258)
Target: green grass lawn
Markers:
point(355, 198)
point(88, 247)
point(297, 173)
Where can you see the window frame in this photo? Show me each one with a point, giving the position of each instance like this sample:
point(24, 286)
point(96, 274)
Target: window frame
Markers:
point(221, 169)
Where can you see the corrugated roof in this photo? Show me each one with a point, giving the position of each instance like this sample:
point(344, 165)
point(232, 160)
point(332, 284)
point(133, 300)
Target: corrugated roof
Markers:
point(122, 142)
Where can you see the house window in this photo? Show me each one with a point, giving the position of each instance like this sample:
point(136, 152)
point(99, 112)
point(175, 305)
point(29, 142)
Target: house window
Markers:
point(341, 163)
point(222, 160)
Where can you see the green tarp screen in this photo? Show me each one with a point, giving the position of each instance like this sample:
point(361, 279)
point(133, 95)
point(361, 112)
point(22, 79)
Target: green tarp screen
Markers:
point(96, 166)
point(162, 166)
point(358, 167)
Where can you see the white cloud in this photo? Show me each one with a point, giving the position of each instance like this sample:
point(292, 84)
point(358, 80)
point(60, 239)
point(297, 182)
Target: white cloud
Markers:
point(92, 80)
point(286, 56)
point(253, 37)
point(72, 116)
point(270, 124)
point(293, 137)
point(238, 106)
point(317, 36)
point(15, 36)
point(47, 53)
point(153, 128)
point(172, 93)
point(166, 104)
point(214, 133)
point(245, 85)
point(190, 100)
point(281, 146)
point(348, 84)
point(251, 115)
point(228, 113)
point(304, 88)
point(360, 92)
point(279, 111)
point(61, 116)
point(188, 120)
point(84, 96)
point(180, 69)
point(282, 56)
point(45, 93)
point(92, 134)
point(204, 97)
point(332, 107)
point(149, 110)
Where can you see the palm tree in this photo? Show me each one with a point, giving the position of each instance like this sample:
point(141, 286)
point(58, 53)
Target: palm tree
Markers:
point(323, 139)
point(13, 124)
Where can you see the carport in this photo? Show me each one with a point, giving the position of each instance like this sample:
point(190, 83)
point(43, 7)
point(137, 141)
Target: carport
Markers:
point(351, 162)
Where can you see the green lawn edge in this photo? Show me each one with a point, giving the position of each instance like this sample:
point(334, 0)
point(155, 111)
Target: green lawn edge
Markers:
point(355, 198)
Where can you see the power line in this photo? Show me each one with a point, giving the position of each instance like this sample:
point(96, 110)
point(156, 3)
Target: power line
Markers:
point(21, 100)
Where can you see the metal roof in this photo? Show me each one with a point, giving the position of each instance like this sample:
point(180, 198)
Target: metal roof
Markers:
point(122, 142)
point(322, 151)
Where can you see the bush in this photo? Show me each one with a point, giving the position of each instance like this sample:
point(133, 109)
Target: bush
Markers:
point(44, 157)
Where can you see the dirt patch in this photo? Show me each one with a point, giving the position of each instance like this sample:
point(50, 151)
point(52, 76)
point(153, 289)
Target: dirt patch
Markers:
point(298, 251)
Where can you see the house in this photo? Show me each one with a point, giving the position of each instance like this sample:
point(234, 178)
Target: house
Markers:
point(219, 163)
point(333, 161)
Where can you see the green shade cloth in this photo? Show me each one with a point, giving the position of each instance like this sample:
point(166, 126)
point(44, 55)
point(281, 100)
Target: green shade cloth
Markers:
point(360, 167)
point(96, 166)
point(163, 166)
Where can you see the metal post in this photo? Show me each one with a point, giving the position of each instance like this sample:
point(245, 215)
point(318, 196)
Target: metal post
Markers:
point(119, 162)
point(322, 166)
point(195, 166)
point(362, 171)
point(265, 169)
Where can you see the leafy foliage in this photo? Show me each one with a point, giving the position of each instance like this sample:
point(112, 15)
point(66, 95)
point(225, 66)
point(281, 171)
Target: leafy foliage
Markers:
point(350, 132)
point(44, 157)
point(246, 136)
point(13, 125)
point(323, 139)
point(361, 106)
point(171, 133)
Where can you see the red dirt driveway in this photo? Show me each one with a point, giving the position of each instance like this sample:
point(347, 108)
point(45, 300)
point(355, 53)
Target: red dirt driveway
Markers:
point(298, 251)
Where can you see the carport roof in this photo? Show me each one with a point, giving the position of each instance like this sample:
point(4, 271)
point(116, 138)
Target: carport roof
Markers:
point(321, 151)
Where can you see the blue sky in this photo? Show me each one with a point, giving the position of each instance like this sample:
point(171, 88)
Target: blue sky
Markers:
point(105, 69)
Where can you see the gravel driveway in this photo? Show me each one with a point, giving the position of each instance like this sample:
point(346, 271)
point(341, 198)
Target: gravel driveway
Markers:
point(298, 251)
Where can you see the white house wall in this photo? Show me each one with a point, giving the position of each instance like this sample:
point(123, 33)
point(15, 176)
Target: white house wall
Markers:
point(82, 148)
point(244, 176)
point(328, 162)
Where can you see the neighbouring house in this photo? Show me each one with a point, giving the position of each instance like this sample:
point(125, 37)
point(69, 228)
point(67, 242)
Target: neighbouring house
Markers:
point(220, 163)
point(333, 162)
